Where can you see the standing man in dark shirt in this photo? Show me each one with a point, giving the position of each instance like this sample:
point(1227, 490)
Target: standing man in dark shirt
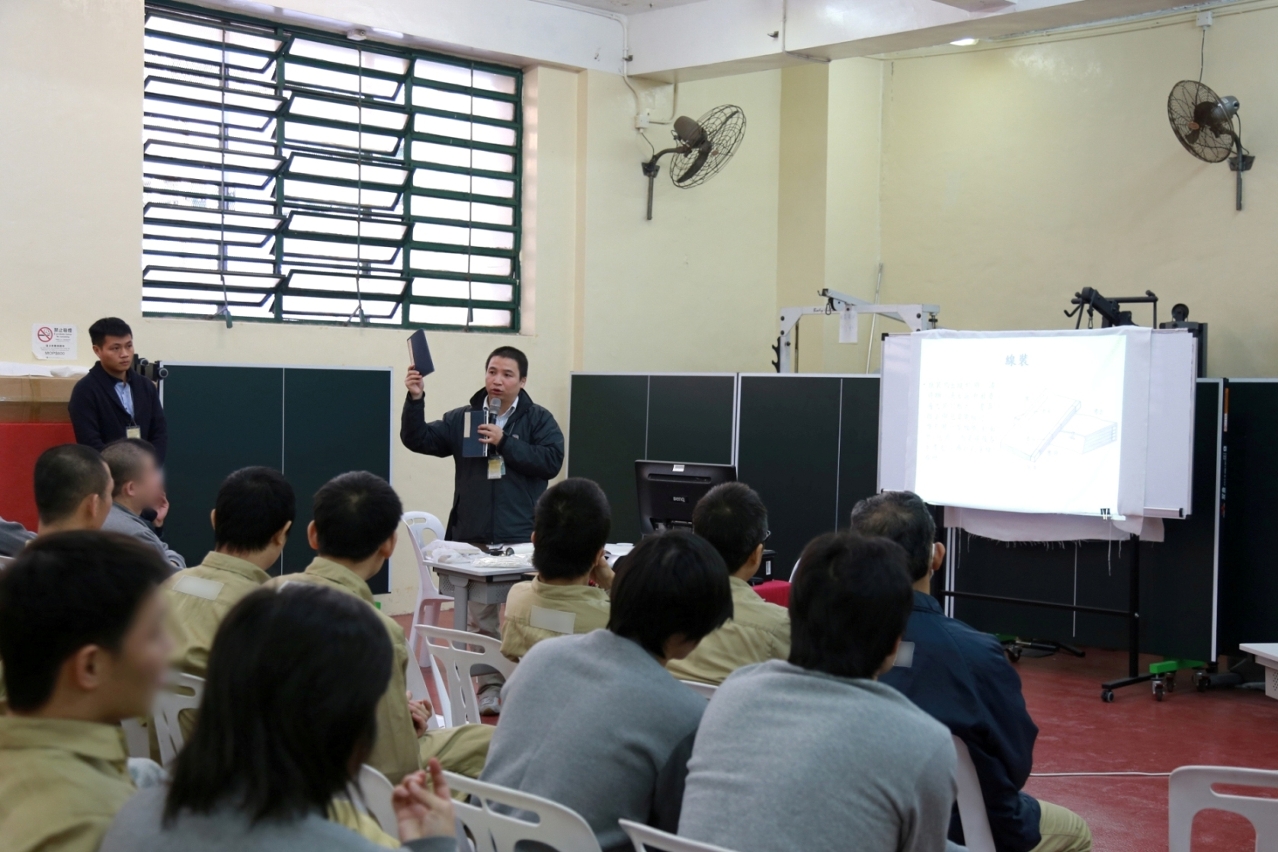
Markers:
point(493, 498)
point(961, 678)
point(115, 402)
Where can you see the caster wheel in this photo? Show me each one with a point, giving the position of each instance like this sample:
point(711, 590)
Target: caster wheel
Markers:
point(1014, 654)
point(1107, 695)
point(1159, 690)
point(1202, 682)
point(1171, 682)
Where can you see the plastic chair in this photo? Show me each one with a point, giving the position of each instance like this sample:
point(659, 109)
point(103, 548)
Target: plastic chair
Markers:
point(456, 656)
point(977, 836)
point(705, 689)
point(523, 817)
point(376, 794)
point(181, 692)
point(647, 838)
point(136, 741)
point(430, 601)
point(1190, 791)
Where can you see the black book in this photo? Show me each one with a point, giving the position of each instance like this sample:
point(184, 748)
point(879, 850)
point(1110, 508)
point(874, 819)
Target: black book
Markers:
point(419, 353)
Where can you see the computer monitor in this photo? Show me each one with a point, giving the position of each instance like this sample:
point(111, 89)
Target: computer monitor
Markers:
point(669, 490)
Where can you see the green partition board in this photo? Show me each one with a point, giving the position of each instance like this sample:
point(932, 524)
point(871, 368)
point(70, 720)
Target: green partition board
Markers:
point(858, 444)
point(690, 418)
point(1248, 581)
point(788, 451)
point(335, 420)
point(220, 419)
point(607, 432)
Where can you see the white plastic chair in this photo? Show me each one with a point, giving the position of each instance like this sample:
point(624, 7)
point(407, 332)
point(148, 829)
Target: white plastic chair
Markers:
point(977, 836)
point(430, 601)
point(523, 817)
point(456, 653)
point(136, 741)
point(705, 689)
point(181, 691)
point(1190, 791)
point(647, 838)
point(376, 796)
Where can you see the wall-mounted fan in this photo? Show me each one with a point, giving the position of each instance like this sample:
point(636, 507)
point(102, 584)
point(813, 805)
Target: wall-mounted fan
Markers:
point(702, 149)
point(1209, 127)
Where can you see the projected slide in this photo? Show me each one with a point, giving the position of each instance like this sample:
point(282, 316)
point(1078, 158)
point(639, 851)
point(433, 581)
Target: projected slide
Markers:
point(1021, 424)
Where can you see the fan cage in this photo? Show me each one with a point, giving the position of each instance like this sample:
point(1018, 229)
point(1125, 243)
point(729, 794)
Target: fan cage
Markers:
point(725, 127)
point(1203, 142)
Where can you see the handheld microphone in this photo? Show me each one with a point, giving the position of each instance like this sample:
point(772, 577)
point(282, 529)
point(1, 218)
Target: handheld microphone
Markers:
point(494, 408)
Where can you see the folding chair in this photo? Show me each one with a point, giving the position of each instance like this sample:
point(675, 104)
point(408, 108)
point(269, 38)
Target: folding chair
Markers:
point(971, 804)
point(376, 792)
point(497, 818)
point(456, 657)
point(648, 839)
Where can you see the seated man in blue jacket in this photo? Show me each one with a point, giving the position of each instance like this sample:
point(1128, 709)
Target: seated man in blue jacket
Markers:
point(494, 498)
point(962, 679)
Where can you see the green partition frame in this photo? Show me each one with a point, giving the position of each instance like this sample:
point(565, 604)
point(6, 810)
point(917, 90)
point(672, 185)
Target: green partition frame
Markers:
point(310, 423)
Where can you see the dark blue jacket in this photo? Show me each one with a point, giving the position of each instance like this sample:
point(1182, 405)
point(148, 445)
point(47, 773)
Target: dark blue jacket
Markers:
point(491, 510)
point(962, 679)
point(98, 416)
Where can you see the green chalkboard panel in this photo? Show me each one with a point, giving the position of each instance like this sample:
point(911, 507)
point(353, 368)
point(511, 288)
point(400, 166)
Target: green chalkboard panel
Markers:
point(220, 419)
point(334, 421)
point(607, 432)
point(788, 451)
point(690, 418)
point(858, 443)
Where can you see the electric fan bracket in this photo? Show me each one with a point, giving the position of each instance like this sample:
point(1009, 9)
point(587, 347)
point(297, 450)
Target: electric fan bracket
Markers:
point(1247, 161)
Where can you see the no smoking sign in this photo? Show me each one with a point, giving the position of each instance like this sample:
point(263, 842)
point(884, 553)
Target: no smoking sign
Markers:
point(53, 341)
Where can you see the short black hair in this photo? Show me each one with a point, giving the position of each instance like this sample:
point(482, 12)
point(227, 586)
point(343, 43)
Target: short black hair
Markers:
point(673, 583)
point(571, 523)
point(513, 354)
point(849, 604)
point(108, 327)
point(903, 517)
point(253, 504)
point(126, 458)
point(64, 476)
point(732, 517)
point(354, 514)
point(65, 591)
point(289, 705)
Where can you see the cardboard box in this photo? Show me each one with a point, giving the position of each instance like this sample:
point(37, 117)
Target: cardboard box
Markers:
point(35, 399)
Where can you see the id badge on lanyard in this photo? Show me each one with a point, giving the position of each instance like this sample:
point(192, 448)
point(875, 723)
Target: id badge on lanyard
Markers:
point(496, 467)
point(133, 432)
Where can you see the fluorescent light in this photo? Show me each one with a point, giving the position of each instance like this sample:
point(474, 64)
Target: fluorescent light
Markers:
point(964, 42)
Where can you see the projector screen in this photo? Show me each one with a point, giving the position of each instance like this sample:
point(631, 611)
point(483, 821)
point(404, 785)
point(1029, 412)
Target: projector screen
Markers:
point(1096, 423)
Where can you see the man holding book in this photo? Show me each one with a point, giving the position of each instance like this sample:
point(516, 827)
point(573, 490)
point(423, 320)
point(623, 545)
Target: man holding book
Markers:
point(494, 495)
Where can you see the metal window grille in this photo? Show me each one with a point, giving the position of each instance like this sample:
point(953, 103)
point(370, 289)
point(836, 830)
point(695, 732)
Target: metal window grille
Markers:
point(292, 175)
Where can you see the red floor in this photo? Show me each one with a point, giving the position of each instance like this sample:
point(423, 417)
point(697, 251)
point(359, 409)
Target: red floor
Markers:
point(1078, 733)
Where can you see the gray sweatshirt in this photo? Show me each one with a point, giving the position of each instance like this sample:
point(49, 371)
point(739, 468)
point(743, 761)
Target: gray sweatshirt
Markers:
point(121, 520)
point(595, 723)
point(13, 537)
point(788, 758)
point(137, 828)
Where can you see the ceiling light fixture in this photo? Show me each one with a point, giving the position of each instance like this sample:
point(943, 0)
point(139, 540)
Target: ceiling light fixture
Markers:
point(964, 42)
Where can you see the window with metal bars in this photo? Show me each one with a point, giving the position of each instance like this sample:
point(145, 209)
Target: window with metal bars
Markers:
point(292, 175)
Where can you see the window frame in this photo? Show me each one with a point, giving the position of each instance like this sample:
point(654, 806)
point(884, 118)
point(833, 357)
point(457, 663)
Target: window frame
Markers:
point(408, 135)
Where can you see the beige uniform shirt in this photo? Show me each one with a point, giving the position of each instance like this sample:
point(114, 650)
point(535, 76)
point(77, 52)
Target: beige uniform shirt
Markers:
point(758, 631)
point(395, 754)
point(61, 783)
point(199, 598)
point(537, 610)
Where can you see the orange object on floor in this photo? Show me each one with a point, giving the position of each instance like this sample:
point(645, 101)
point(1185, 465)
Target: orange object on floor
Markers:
point(20, 445)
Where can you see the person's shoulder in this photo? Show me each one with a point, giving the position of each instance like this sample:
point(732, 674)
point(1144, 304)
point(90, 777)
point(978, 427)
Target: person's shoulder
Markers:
point(138, 820)
point(763, 615)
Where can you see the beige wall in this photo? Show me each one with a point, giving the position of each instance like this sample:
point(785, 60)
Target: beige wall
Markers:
point(1014, 176)
point(603, 289)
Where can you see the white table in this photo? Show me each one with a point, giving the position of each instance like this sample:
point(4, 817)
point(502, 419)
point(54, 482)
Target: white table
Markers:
point(1267, 655)
point(464, 582)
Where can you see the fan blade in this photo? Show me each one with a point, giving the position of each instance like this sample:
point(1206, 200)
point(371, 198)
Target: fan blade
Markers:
point(1192, 136)
point(702, 155)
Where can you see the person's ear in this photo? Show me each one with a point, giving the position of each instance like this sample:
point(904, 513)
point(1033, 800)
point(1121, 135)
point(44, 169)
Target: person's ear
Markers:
point(88, 508)
point(938, 555)
point(86, 668)
point(213, 518)
point(602, 556)
point(281, 535)
point(533, 538)
point(757, 556)
point(388, 546)
point(312, 537)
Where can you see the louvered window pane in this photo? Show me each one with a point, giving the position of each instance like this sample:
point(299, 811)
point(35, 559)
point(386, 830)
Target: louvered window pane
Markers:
point(291, 175)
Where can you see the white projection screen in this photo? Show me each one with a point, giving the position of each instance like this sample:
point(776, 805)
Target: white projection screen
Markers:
point(1096, 422)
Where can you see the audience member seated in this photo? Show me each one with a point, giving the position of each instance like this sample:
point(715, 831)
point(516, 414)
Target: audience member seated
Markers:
point(733, 519)
point(961, 677)
point(570, 528)
point(289, 714)
point(139, 486)
point(814, 753)
point(82, 635)
point(354, 532)
point(13, 537)
point(594, 722)
point(251, 520)
point(73, 489)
